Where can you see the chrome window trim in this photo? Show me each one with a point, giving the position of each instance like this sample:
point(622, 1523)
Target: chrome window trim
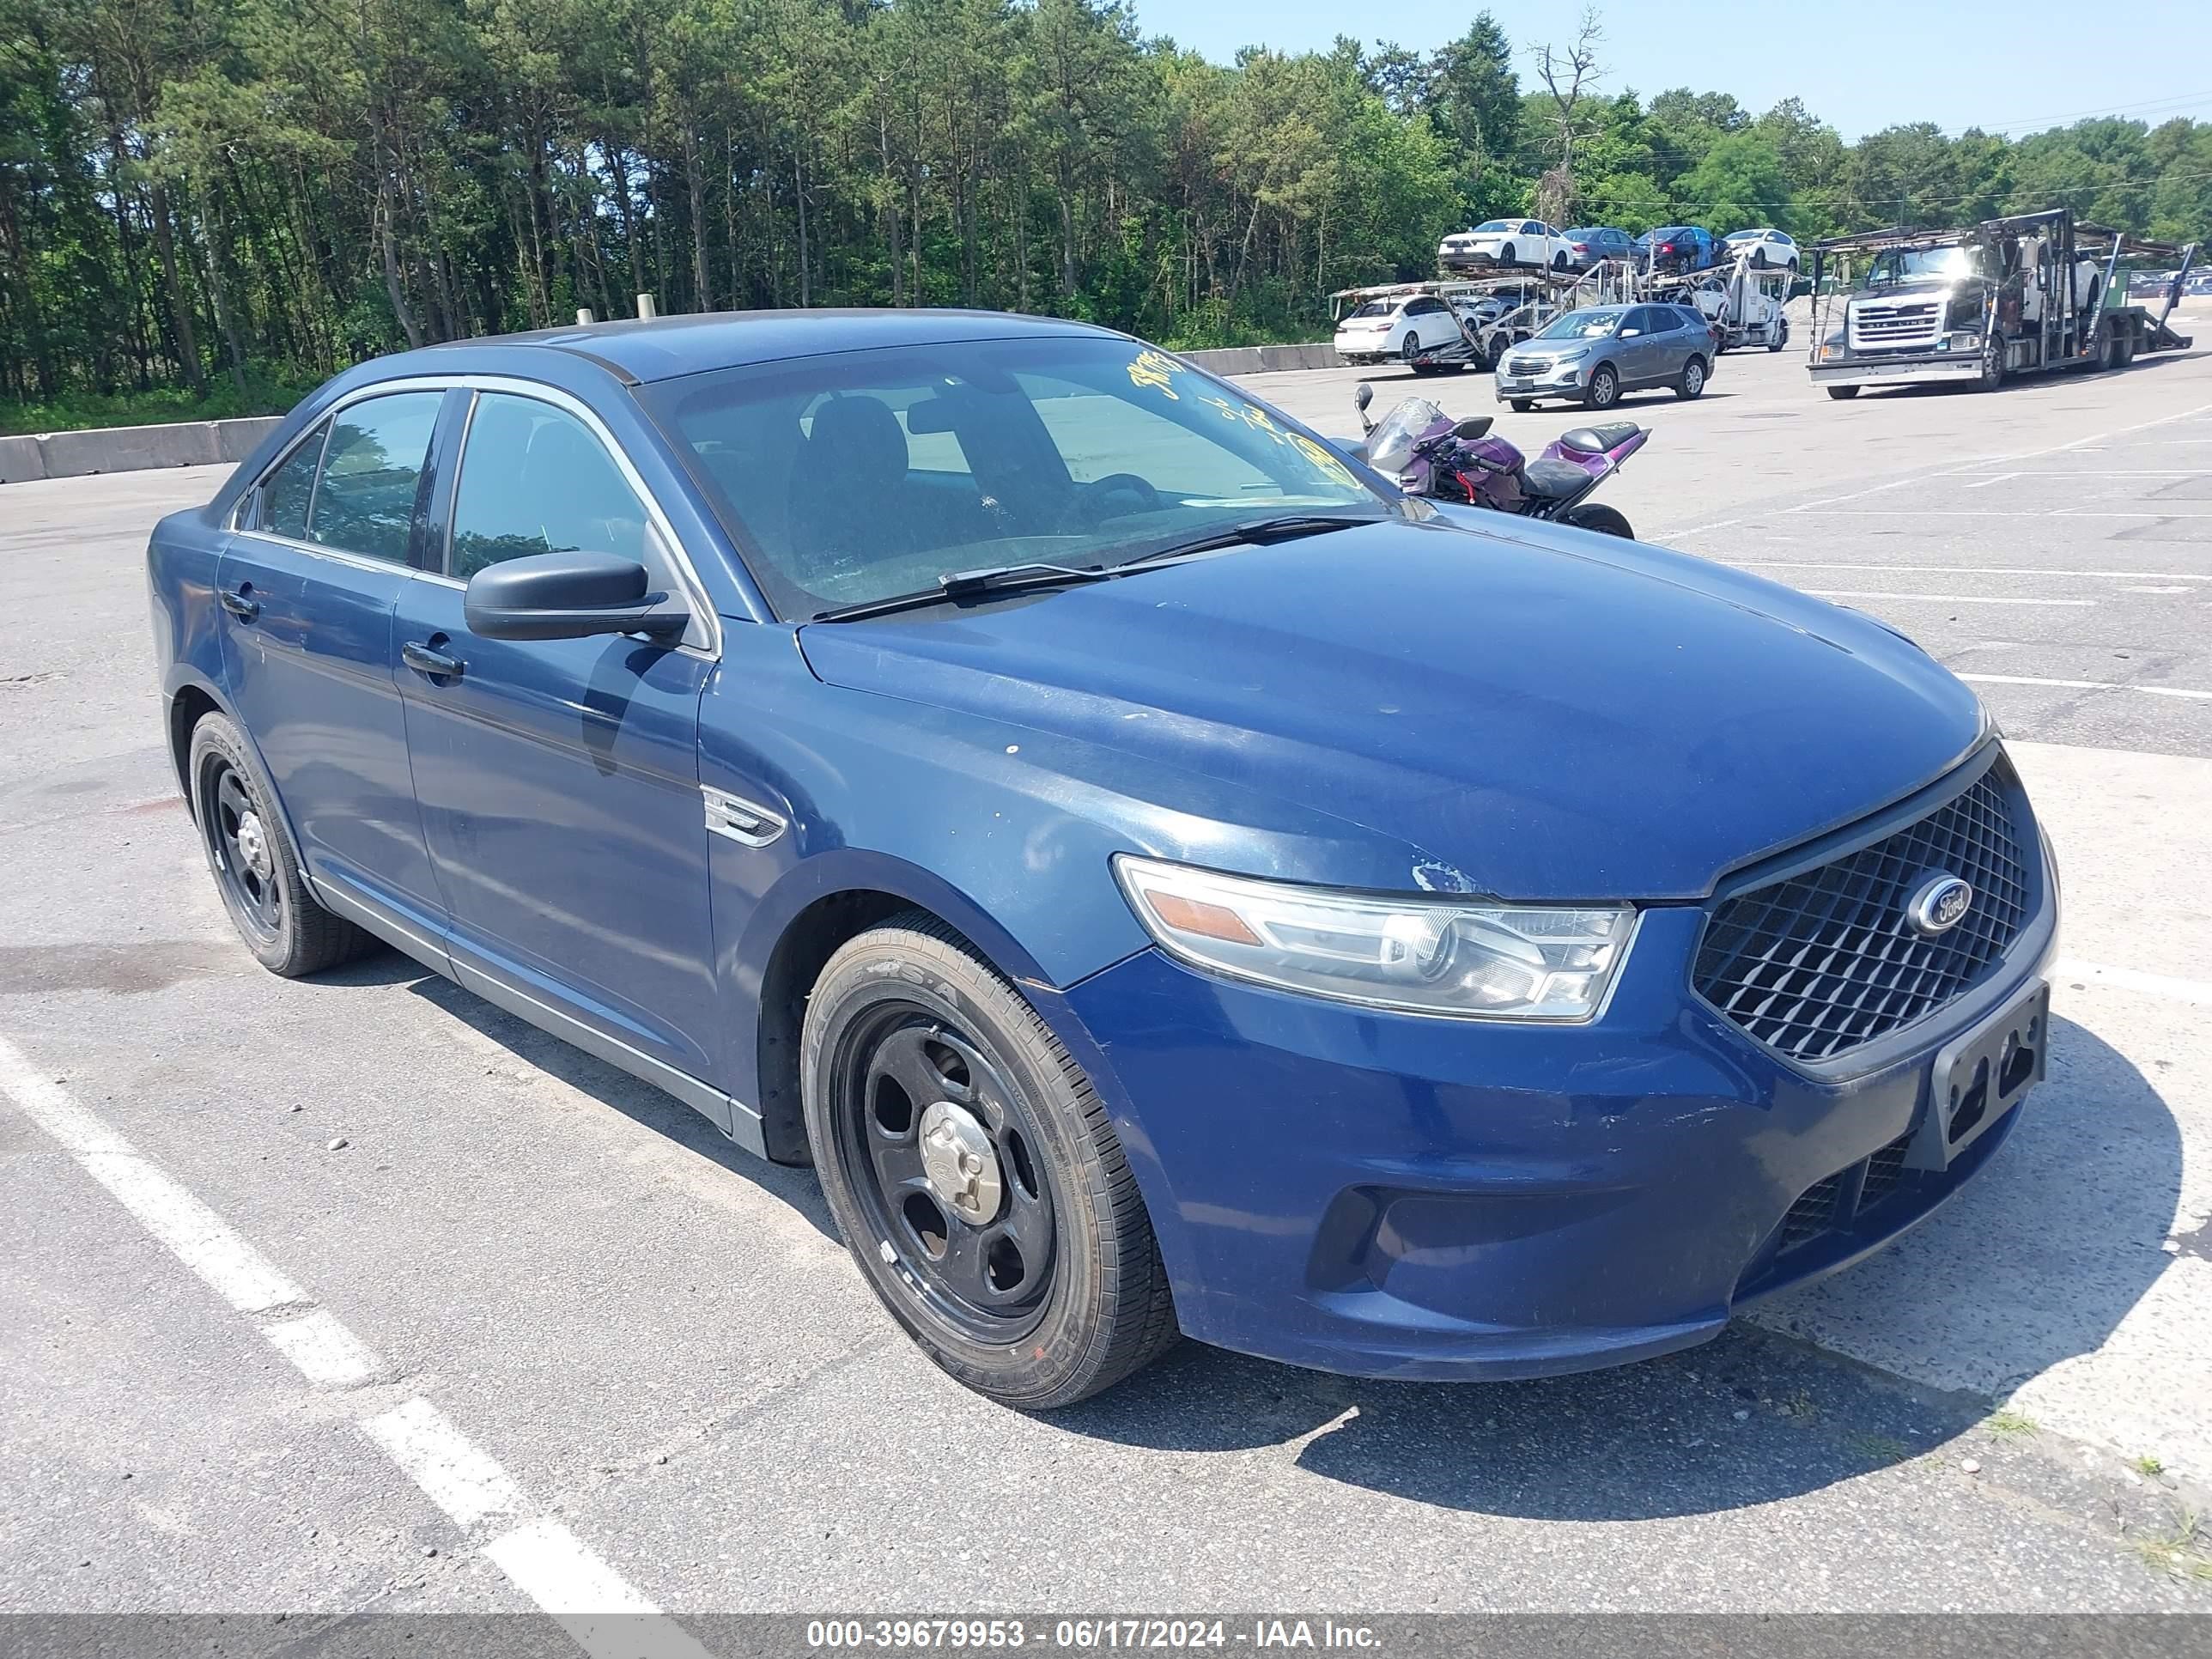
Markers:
point(694, 590)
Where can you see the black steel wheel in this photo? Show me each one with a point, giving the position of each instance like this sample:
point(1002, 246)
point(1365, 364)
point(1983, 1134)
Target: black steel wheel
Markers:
point(251, 855)
point(941, 1152)
point(974, 1172)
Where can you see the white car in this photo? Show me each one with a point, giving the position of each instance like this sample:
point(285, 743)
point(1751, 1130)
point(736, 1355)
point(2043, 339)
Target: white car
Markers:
point(1768, 247)
point(1396, 328)
point(1498, 243)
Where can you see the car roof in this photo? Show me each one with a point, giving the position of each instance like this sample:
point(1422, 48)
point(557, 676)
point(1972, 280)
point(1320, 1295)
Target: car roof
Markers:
point(663, 347)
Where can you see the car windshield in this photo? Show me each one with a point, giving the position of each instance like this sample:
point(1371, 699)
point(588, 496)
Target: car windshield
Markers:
point(1495, 224)
point(1580, 325)
point(1912, 264)
point(1745, 236)
point(859, 476)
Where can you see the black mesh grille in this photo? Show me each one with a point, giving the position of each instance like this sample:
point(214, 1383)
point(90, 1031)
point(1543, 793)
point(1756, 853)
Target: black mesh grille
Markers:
point(1810, 1216)
point(1884, 1171)
point(1820, 963)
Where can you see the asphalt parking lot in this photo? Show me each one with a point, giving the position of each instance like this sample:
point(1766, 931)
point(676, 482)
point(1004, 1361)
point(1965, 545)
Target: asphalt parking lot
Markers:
point(358, 1295)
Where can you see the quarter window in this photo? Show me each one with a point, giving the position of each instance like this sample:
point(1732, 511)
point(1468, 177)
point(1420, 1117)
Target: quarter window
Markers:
point(286, 492)
point(365, 500)
point(535, 479)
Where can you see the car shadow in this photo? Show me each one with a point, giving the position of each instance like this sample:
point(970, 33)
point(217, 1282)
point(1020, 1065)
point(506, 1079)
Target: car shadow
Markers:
point(2036, 1261)
point(653, 1109)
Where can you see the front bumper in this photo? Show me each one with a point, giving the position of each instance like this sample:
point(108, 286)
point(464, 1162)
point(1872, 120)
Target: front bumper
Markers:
point(1566, 381)
point(1394, 1195)
point(1919, 369)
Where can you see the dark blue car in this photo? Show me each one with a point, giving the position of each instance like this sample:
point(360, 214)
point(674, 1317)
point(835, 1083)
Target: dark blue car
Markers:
point(1677, 248)
point(1159, 876)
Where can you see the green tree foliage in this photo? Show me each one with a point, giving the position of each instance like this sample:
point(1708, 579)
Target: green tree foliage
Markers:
point(208, 203)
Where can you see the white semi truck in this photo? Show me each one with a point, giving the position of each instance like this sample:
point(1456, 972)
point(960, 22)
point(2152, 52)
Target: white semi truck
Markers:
point(2026, 294)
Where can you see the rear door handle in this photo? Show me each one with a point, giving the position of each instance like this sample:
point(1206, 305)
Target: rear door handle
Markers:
point(418, 656)
point(241, 604)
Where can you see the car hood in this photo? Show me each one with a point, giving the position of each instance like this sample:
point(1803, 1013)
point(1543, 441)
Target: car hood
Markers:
point(1535, 712)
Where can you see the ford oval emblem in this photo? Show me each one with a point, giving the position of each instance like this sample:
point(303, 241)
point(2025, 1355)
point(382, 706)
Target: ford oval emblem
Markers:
point(1939, 904)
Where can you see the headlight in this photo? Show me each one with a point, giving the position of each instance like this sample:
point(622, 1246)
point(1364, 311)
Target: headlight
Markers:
point(1421, 954)
point(1965, 339)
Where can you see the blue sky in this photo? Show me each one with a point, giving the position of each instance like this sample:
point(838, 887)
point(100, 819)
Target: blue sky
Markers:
point(2034, 64)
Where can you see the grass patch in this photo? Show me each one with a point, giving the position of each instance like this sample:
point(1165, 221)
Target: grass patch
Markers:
point(2178, 1552)
point(1879, 1449)
point(2148, 1465)
point(2008, 1425)
point(269, 391)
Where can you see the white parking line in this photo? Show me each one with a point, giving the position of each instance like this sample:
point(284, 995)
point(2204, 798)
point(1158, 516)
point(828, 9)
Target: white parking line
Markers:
point(459, 1479)
point(2087, 686)
point(547, 1562)
point(1939, 599)
point(1971, 570)
point(2127, 979)
point(1983, 483)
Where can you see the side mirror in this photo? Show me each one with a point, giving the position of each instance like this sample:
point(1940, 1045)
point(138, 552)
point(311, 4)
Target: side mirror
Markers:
point(1364, 394)
point(1628, 333)
point(1474, 427)
point(567, 595)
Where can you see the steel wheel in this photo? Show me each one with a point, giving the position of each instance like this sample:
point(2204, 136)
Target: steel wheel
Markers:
point(945, 1160)
point(242, 848)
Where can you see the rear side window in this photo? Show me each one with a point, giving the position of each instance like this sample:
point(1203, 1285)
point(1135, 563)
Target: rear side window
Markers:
point(365, 500)
point(535, 479)
point(286, 492)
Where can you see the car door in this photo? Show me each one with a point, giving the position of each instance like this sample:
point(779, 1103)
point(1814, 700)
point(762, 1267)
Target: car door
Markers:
point(308, 581)
point(1632, 347)
point(1425, 321)
point(559, 779)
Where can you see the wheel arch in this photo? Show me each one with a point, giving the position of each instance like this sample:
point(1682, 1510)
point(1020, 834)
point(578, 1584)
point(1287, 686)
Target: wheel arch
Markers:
point(818, 907)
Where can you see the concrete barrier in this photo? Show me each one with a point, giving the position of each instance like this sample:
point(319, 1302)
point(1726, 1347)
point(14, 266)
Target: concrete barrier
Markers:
point(1264, 360)
point(21, 459)
point(132, 448)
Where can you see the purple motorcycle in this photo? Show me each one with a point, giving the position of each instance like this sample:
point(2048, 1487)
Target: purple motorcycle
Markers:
point(1429, 453)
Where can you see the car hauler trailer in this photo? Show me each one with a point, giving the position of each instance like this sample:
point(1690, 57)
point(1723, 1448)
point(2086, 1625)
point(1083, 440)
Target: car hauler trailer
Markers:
point(1494, 313)
point(2030, 293)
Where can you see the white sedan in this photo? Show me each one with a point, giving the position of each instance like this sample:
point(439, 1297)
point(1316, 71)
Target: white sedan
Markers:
point(1768, 247)
point(1498, 243)
point(1396, 328)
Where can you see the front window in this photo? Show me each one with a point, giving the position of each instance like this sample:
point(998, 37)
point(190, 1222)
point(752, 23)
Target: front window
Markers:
point(1912, 264)
point(1580, 325)
point(851, 477)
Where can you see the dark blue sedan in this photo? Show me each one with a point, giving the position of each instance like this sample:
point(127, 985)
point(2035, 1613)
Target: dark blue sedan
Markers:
point(1161, 878)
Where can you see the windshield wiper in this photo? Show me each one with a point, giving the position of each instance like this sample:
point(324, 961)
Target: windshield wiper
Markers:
point(1035, 574)
point(965, 584)
point(1259, 533)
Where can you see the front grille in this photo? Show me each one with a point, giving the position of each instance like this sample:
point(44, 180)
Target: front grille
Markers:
point(1820, 963)
point(1830, 1204)
point(1527, 366)
point(1899, 323)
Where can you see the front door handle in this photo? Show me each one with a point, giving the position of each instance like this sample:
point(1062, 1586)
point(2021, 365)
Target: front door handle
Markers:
point(242, 605)
point(418, 656)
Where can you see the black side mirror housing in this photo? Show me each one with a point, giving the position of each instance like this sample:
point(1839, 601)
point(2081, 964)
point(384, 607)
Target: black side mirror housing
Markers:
point(568, 596)
point(1474, 427)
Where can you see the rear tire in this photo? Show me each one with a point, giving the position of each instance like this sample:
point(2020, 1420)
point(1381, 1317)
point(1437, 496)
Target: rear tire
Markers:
point(1602, 519)
point(910, 1000)
point(256, 869)
point(1692, 383)
point(1843, 394)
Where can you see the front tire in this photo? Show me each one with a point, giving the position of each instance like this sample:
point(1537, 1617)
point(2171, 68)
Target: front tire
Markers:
point(1993, 363)
point(256, 868)
point(1781, 338)
point(1692, 383)
point(1843, 394)
point(1604, 389)
point(1596, 516)
point(1524, 405)
point(974, 1174)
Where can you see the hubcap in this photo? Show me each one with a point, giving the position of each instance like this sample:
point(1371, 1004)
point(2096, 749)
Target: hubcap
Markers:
point(962, 1167)
point(253, 844)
